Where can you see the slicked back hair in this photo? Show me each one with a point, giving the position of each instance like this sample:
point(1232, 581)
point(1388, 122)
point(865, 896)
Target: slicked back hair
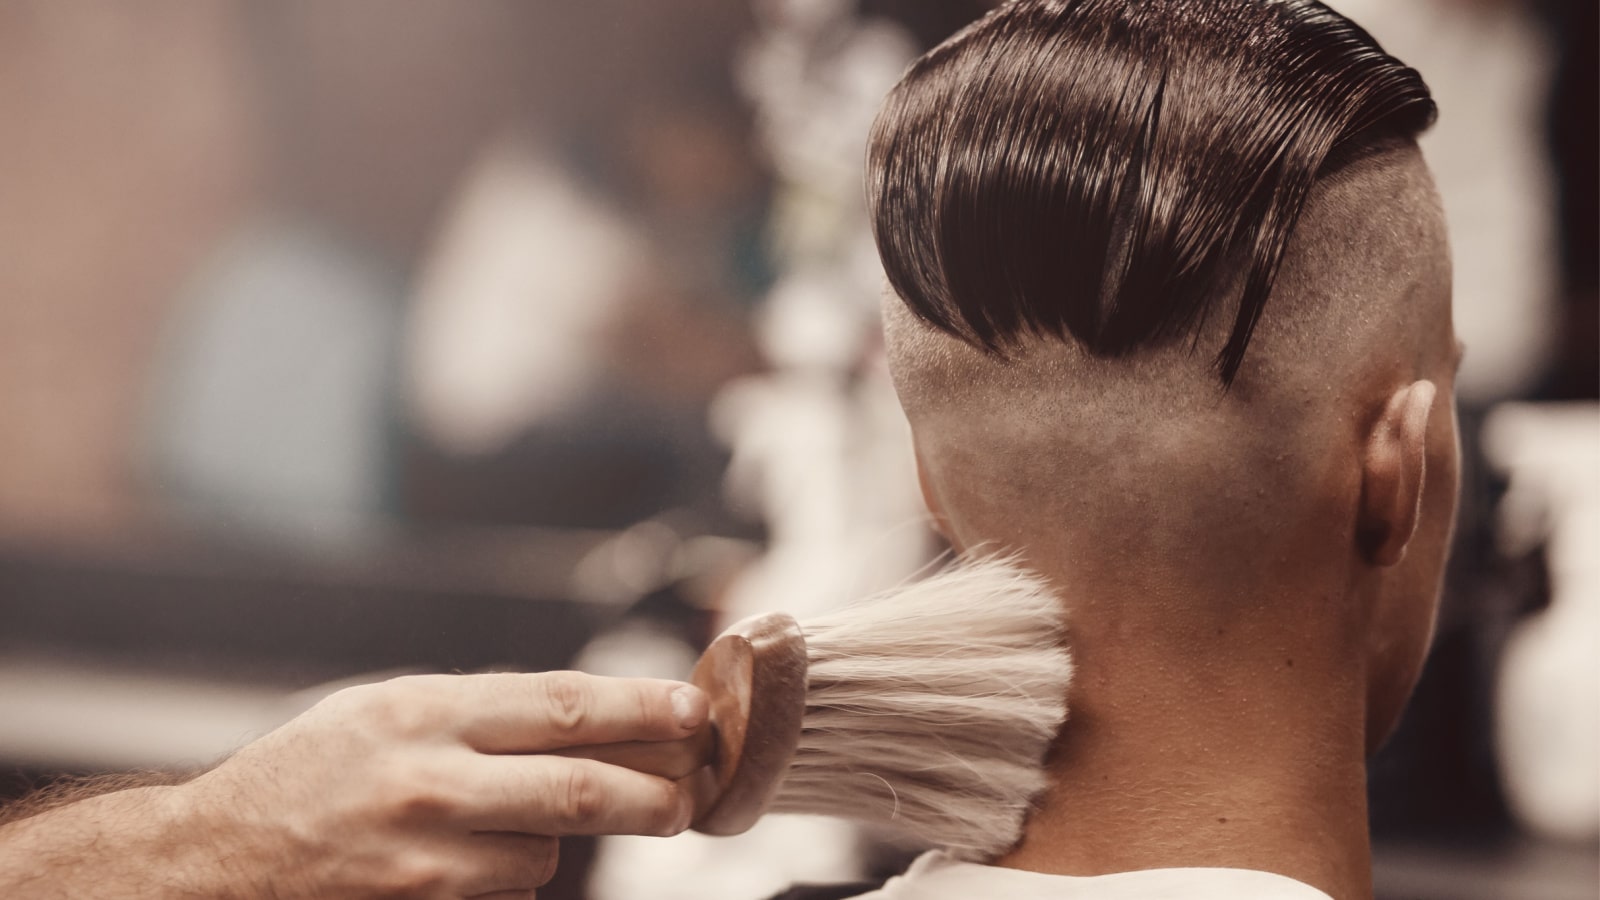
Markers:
point(1109, 169)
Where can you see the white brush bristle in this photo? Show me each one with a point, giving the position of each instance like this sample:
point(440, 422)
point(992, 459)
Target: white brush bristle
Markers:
point(929, 708)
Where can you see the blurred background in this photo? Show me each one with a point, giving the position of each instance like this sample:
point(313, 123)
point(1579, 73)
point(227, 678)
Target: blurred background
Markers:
point(344, 338)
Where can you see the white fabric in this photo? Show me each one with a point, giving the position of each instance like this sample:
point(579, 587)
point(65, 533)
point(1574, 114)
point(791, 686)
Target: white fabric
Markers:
point(935, 876)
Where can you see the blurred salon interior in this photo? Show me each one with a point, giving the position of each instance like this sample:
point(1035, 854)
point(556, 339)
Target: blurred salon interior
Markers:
point(341, 339)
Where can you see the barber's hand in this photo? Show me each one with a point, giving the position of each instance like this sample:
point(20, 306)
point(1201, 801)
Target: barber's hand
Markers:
point(420, 787)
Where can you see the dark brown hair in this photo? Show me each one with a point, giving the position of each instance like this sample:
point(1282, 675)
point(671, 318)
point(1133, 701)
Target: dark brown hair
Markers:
point(1105, 168)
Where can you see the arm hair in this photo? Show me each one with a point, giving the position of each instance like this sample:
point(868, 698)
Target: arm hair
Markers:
point(71, 789)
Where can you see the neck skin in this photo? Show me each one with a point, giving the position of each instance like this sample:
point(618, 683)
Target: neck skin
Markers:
point(1249, 755)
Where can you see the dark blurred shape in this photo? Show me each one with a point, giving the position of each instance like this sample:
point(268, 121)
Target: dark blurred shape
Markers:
point(613, 462)
point(193, 607)
point(1437, 776)
point(929, 21)
point(1518, 869)
point(1574, 133)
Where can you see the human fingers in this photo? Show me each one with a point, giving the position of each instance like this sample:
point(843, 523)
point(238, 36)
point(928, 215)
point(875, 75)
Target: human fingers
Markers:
point(559, 796)
point(506, 895)
point(501, 862)
point(529, 713)
point(668, 759)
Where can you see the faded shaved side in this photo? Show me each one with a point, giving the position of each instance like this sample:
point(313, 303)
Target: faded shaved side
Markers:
point(1148, 451)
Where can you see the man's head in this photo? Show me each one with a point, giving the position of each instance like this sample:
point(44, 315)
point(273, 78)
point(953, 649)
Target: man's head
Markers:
point(1173, 320)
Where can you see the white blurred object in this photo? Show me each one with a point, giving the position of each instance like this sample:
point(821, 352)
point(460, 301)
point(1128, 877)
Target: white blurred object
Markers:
point(272, 409)
point(59, 715)
point(637, 650)
point(766, 860)
point(820, 448)
point(66, 715)
point(526, 272)
point(1548, 721)
point(828, 463)
point(1489, 69)
point(810, 323)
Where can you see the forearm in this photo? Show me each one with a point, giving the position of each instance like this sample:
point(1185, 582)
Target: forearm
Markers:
point(146, 843)
point(418, 787)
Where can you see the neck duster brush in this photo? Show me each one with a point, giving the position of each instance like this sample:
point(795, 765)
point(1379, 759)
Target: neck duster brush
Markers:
point(926, 709)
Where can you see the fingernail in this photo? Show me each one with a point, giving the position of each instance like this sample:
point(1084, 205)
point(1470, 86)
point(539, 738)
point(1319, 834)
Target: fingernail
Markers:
point(688, 707)
point(688, 813)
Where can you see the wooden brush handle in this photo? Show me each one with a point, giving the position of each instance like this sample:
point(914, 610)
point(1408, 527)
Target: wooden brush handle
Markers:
point(755, 676)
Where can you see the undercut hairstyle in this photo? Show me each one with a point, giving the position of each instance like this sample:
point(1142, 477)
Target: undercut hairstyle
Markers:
point(1116, 170)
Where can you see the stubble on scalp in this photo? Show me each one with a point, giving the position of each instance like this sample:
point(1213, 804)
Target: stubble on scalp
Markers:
point(1051, 436)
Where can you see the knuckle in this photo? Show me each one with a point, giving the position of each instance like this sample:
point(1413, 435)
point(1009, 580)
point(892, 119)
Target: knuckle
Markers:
point(421, 806)
point(580, 800)
point(566, 697)
point(402, 706)
point(346, 699)
point(416, 794)
point(417, 875)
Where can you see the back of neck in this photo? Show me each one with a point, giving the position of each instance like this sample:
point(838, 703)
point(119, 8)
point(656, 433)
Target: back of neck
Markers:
point(1250, 756)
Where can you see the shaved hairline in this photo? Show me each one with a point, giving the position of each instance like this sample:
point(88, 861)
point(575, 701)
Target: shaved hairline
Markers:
point(1149, 448)
point(1357, 276)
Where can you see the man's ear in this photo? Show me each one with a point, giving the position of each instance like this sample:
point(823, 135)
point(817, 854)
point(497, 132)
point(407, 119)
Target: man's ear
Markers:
point(1394, 469)
point(930, 499)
